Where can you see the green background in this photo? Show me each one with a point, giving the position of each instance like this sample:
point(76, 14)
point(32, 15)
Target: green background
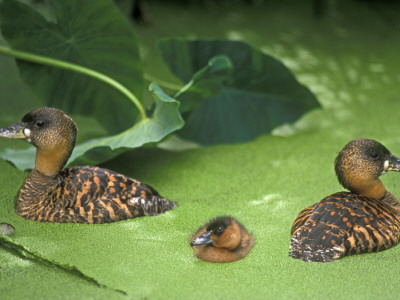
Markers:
point(349, 59)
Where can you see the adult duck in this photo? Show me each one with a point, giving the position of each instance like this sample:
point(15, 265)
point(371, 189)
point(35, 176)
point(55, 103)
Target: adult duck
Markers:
point(83, 194)
point(366, 219)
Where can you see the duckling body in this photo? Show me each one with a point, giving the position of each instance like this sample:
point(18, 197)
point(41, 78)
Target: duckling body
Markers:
point(222, 240)
point(366, 219)
point(81, 194)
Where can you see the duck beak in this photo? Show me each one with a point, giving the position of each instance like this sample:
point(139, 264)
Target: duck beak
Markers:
point(15, 131)
point(205, 238)
point(394, 164)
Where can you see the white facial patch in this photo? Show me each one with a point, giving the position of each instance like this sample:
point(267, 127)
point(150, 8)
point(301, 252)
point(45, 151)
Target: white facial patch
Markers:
point(27, 132)
point(385, 166)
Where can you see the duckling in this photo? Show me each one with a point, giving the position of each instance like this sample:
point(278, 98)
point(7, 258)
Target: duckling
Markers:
point(366, 219)
point(80, 194)
point(222, 240)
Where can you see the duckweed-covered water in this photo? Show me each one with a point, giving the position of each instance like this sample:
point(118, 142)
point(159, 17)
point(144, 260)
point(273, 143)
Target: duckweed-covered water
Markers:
point(349, 59)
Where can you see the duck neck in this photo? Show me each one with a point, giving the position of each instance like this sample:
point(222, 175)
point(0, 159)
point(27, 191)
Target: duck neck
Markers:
point(373, 189)
point(50, 161)
point(30, 196)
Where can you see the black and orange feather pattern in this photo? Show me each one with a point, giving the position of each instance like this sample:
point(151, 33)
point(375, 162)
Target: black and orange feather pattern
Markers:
point(87, 195)
point(344, 224)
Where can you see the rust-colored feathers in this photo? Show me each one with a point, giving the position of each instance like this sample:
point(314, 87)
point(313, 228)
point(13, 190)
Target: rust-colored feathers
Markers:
point(344, 224)
point(87, 195)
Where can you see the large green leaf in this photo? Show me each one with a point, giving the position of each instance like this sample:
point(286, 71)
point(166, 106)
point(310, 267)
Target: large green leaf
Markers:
point(262, 94)
point(88, 33)
point(164, 120)
point(205, 83)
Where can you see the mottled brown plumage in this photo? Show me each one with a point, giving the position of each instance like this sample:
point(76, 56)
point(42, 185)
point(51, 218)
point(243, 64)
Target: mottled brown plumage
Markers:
point(366, 219)
point(222, 240)
point(77, 194)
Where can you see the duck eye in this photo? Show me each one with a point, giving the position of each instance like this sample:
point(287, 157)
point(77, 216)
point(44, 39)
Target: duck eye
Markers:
point(220, 229)
point(39, 124)
point(374, 155)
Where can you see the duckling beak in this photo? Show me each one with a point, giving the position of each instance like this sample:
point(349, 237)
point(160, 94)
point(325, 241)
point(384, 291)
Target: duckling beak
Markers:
point(15, 131)
point(205, 238)
point(394, 164)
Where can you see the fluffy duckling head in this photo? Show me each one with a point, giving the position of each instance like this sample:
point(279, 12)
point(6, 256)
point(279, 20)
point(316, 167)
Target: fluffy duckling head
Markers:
point(223, 239)
point(51, 131)
point(359, 165)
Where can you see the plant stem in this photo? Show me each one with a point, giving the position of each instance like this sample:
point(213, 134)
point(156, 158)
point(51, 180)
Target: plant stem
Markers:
point(76, 68)
point(184, 89)
point(172, 86)
point(168, 85)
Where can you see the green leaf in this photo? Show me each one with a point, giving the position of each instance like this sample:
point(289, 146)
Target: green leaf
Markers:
point(262, 94)
point(92, 34)
point(205, 83)
point(164, 120)
point(74, 44)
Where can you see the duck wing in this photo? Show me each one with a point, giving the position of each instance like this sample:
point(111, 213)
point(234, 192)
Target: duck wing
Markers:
point(95, 195)
point(344, 224)
point(301, 218)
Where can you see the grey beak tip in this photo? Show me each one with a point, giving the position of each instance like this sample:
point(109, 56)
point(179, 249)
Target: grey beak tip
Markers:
point(202, 239)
